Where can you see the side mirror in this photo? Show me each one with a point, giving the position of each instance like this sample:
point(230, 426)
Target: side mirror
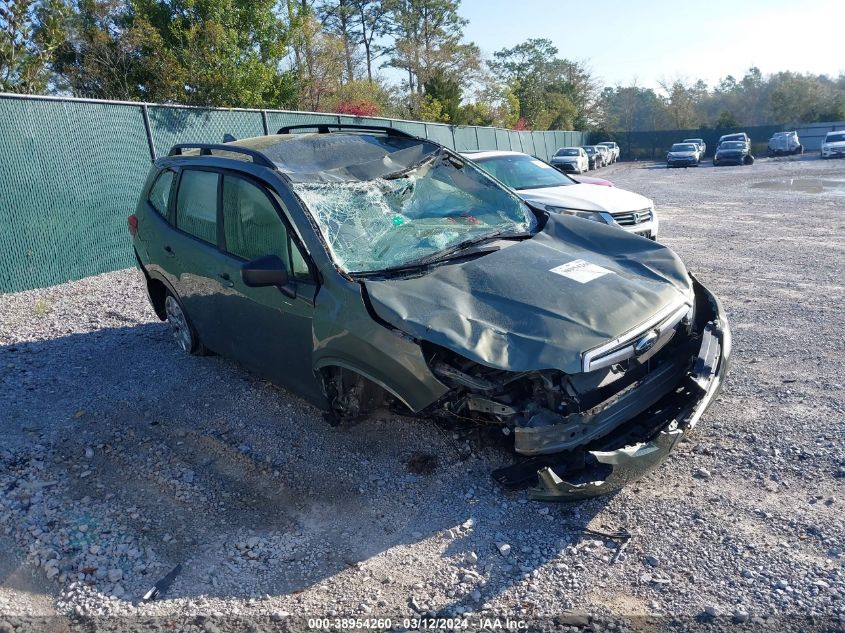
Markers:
point(265, 271)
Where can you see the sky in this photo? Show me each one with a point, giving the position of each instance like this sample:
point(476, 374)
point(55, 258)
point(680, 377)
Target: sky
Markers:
point(652, 40)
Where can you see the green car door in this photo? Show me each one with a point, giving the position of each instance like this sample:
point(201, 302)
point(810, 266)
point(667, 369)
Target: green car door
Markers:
point(192, 259)
point(268, 329)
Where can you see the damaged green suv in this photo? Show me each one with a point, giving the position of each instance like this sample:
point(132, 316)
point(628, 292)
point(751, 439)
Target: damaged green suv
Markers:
point(364, 268)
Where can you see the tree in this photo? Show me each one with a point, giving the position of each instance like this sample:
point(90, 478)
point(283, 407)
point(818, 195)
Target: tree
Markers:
point(446, 91)
point(30, 33)
point(372, 25)
point(427, 37)
point(726, 120)
point(200, 52)
point(550, 90)
point(339, 17)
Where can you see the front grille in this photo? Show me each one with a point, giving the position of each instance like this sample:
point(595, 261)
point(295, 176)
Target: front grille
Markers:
point(632, 218)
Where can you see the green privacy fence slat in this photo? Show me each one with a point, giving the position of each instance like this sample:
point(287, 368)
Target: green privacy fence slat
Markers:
point(411, 127)
point(71, 171)
point(486, 138)
point(276, 120)
point(503, 141)
point(70, 174)
point(440, 134)
point(188, 125)
point(465, 139)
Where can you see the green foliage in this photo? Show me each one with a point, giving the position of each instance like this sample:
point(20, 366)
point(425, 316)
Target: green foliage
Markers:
point(430, 109)
point(550, 91)
point(726, 120)
point(446, 91)
point(30, 32)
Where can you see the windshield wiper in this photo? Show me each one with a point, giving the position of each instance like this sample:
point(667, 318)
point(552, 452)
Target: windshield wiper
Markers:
point(446, 254)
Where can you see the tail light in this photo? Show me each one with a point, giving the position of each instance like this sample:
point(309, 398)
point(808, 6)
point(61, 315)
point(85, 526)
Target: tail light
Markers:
point(133, 224)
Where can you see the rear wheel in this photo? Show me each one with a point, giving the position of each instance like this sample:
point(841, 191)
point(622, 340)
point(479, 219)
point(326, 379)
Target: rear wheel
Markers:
point(183, 331)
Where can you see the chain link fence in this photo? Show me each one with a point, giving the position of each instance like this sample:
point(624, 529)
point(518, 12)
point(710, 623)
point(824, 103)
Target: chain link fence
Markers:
point(71, 171)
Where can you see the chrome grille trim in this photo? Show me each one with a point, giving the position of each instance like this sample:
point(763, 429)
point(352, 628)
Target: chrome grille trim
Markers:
point(632, 218)
point(622, 348)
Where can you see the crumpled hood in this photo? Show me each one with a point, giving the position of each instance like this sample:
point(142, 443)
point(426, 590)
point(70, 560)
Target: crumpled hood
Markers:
point(509, 310)
point(587, 198)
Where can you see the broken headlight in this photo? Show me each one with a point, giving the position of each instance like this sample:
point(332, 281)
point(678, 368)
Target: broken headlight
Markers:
point(595, 216)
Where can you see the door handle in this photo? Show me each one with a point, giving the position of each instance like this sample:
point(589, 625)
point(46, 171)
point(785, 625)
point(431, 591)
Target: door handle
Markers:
point(169, 251)
point(225, 279)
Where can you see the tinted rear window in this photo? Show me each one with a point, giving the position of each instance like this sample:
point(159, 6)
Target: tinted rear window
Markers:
point(159, 196)
point(196, 204)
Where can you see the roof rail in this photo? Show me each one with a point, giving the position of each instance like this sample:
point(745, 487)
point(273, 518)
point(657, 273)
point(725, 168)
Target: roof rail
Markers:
point(325, 128)
point(206, 148)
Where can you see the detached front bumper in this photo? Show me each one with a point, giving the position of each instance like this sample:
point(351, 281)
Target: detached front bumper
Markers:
point(703, 383)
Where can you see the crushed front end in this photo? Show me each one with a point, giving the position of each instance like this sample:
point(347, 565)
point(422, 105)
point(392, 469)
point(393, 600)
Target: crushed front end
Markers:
point(590, 433)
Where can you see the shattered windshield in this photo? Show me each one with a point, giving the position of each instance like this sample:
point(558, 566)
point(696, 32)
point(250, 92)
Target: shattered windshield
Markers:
point(400, 218)
point(523, 172)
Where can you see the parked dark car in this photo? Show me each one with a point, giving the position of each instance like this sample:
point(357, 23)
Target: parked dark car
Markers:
point(739, 136)
point(364, 268)
point(732, 152)
point(595, 157)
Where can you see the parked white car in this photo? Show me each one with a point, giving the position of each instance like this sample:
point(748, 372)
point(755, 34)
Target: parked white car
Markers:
point(783, 143)
point(539, 184)
point(614, 150)
point(572, 159)
point(702, 146)
point(833, 144)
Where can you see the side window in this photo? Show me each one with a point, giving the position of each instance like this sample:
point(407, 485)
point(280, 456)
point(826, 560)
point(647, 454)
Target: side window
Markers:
point(252, 226)
point(159, 196)
point(196, 204)
point(254, 229)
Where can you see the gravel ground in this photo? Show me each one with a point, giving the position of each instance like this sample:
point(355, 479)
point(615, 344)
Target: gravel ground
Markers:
point(121, 458)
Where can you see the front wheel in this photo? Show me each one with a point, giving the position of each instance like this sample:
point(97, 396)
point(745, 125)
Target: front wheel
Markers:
point(181, 327)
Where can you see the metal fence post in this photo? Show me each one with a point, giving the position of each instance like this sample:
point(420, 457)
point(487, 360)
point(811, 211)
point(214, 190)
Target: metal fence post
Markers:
point(146, 115)
point(265, 123)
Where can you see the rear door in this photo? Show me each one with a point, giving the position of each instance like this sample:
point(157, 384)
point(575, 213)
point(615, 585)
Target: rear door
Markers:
point(266, 330)
point(192, 248)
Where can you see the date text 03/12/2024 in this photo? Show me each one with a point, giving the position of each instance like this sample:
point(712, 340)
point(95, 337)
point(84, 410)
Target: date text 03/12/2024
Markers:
point(419, 624)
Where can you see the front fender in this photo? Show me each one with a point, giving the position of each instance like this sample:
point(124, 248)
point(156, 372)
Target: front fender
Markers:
point(347, 334)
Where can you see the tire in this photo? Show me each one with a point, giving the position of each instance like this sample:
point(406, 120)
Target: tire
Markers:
point(799, 149)
point(715, 163)
point(181, 327)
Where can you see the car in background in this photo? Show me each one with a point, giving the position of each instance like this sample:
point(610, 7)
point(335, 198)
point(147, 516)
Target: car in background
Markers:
point(540, 185)
point(784, 143)
point(595, 157)
point(592, 180)
point(683, 155)
point(613, 148)
point(607, 155)
point(732, 152)
point(740, 136)
point(833, 144)
point(364, 269)
point(702, 146)
point(571, 159)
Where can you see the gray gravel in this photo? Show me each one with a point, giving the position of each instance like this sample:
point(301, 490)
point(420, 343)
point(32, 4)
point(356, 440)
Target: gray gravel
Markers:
point(121, 458)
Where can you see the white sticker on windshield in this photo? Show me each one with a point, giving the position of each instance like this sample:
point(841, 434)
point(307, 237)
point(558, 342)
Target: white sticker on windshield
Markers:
point(580, 271)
